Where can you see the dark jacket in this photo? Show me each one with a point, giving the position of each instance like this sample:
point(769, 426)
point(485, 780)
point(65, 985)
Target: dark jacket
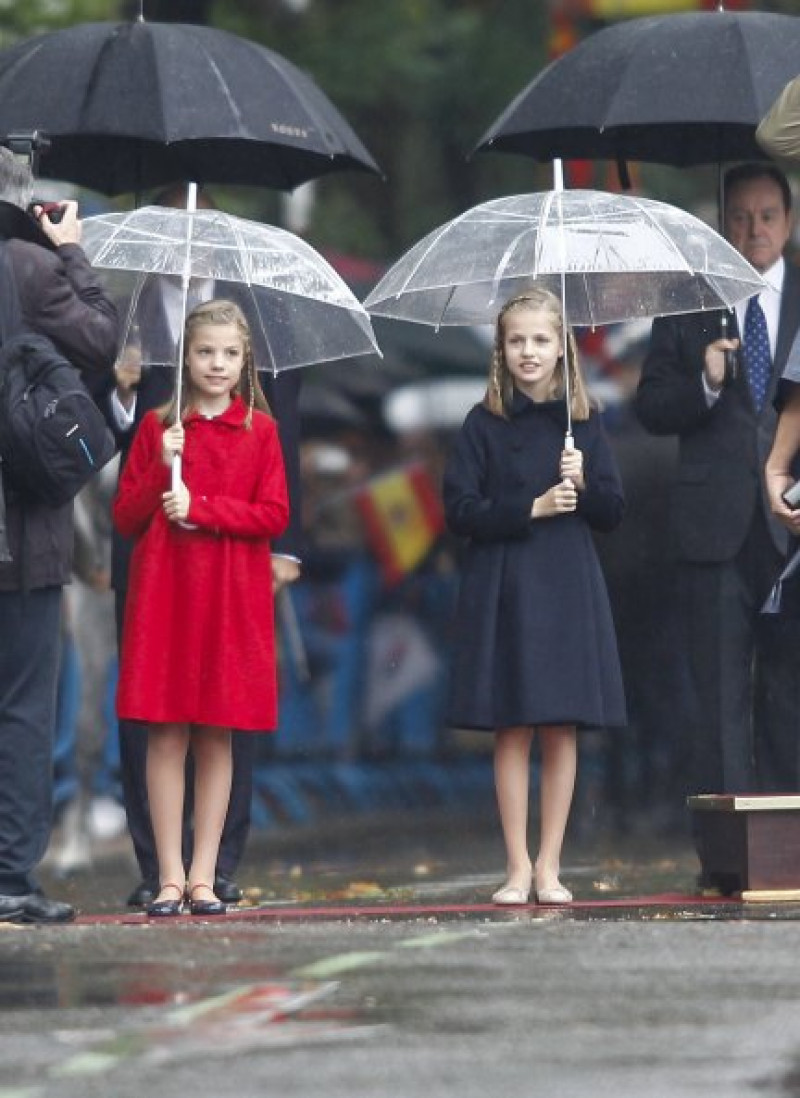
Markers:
point(59, 297)
point(723, 449)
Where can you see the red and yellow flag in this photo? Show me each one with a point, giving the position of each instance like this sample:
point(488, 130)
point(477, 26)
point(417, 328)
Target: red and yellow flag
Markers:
point(403, 517)
point(622, 9)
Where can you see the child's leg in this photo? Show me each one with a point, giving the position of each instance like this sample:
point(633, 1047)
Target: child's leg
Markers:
point(559, 749)
point(512, 749)
point(167, 745)
point(213, 768)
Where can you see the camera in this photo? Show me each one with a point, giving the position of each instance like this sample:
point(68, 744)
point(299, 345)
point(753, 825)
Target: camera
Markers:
point(28, 146)
point(53, 209)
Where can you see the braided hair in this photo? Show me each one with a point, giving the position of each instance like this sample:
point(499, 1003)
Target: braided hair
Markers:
point(221, 312)
point(501, 383)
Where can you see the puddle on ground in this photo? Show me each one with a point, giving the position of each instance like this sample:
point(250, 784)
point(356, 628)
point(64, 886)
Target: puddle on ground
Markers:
point(184, 1013)
point(35, 982)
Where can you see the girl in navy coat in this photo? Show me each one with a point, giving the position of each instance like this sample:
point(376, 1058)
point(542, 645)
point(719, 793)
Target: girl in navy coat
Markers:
point(536, 649)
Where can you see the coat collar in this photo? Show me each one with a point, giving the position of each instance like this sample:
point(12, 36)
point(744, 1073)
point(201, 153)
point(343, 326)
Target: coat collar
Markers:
point(233, 416)
point(521, 405)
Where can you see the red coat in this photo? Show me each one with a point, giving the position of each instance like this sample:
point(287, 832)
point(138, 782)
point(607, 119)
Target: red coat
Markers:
point(198, 645)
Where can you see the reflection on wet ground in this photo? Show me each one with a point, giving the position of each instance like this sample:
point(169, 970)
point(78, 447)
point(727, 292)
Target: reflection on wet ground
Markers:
point(385, 950)
point(105, 1013)
point(33, 983)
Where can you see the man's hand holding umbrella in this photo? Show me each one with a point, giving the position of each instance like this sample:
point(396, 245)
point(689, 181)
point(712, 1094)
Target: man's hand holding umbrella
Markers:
point(715, 365)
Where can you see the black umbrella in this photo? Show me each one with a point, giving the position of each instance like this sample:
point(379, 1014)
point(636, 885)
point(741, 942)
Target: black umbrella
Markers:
point(128, 106)
point(323, 409)
point(679, 89)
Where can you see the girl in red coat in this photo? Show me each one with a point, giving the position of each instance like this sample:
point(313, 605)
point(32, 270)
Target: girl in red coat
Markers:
point(198, 651)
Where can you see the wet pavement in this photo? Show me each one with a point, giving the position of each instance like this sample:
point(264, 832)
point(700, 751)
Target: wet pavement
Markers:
point(367, 961)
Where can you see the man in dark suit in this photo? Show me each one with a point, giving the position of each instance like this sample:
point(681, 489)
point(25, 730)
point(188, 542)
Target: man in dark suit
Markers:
point(137, 391)
point(745, 668)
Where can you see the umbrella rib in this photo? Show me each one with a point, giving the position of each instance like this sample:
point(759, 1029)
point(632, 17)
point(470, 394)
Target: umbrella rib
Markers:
point(646, 212)
point(112, 240)
point(542, 226)
point(432, 240)
point(223, 86)
point(445, 307)
point(241, 250)
point(589, 300)
point(139, 236)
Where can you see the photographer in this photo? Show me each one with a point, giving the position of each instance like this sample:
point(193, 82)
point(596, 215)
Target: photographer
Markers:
point(46, 287)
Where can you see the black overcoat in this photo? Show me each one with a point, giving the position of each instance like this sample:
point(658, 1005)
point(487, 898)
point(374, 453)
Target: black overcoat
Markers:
point(535, 641)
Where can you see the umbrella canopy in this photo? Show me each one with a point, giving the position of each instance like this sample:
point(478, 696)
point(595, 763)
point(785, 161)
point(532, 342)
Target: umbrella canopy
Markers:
point(608, 257)
point(128, 106)
point(299, 309)
point(678, 89)
point(324, 409)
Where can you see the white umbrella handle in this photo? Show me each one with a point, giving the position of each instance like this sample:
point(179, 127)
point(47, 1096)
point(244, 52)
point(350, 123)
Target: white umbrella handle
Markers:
point(191, 206)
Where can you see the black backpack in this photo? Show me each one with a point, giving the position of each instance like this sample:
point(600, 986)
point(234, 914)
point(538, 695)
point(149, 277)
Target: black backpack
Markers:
point(53, 437)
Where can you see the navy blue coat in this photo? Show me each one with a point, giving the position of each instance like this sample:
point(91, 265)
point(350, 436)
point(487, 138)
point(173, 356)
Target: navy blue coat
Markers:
point(535, 641)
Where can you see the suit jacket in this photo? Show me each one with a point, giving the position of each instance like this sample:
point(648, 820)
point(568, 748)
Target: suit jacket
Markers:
point(722, 449)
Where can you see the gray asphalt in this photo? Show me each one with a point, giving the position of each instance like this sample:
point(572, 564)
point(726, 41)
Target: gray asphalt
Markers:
point(679, 1000)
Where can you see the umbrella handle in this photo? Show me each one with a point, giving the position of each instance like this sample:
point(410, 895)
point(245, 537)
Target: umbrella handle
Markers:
point(569, 441)
point(176, 483)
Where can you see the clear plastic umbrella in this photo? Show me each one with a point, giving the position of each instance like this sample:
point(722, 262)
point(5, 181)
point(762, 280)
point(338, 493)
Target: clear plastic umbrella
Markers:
point(304, 312)
point(608, 257)
point(155, 260)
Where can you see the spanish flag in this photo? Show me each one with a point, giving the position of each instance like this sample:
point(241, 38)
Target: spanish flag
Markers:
point(620, 9)
point(403, 518)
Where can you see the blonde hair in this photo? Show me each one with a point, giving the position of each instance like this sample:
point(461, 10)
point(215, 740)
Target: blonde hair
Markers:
point(501, 383)
point(219, 312)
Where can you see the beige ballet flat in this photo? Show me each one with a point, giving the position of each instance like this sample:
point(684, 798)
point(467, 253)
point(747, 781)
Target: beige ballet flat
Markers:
point(557, 895)
point(511, 896)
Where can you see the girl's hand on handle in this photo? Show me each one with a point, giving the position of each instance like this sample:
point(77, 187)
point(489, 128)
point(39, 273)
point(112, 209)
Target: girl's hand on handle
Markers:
point(571, 467)
point(172, 443)
point(176, 504)
point(561, 499)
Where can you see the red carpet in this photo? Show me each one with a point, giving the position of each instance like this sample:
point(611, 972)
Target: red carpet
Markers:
point(342, 911)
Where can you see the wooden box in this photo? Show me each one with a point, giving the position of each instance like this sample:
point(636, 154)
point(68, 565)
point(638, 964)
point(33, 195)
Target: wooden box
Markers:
point(749, 844)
